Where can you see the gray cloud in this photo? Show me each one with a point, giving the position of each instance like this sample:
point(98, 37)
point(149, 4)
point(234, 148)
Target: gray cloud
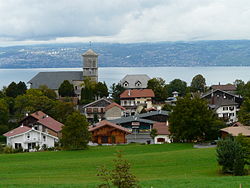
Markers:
point(123, 20)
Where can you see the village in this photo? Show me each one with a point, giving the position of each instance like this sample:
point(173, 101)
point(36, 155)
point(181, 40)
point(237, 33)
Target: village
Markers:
point(136, 115)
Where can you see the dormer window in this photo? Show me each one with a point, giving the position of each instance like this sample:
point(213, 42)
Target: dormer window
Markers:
point(126, 84)
point(138, 83)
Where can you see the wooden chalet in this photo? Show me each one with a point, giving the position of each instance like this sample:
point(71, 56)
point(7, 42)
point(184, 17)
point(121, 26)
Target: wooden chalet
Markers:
point(106, 132)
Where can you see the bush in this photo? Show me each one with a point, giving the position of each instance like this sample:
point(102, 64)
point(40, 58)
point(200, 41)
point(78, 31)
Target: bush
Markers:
point(8, 149)
point(231, 156)
point(120, 176)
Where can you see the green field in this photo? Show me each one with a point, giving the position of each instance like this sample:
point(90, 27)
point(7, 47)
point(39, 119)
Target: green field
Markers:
point(156, 166)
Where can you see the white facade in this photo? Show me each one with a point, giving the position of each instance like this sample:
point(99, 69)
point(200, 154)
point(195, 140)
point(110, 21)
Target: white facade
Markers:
point(228, 112)
point(30, 139)
point(160, 139)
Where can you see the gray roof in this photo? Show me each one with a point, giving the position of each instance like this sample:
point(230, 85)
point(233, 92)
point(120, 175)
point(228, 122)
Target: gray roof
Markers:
point(133, 79)
point(213, 91)
point(89, 52)
point(102, 102)
point(54, 79)
point(153, 113)
point(222, 102)
point(131, 119)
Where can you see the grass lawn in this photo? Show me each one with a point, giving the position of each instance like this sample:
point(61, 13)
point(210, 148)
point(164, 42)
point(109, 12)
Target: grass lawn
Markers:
point(156, 166)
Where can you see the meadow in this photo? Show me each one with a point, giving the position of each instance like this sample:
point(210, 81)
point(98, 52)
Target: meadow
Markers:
point(156, 166)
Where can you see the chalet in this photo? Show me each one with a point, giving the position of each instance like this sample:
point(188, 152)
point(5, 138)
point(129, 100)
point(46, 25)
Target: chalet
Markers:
point(135, 81)
point(97, 107)
point(224, 103)
point(44, 123)
point(132, 99)
point(114, 111)
point(28, 138)
point(106, 132)
point(236, 129)
point(140, 125)
point(163, 134)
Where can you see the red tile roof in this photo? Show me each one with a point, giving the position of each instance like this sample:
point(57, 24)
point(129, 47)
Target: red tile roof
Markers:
point(16, 131)
point(114, 104)
point(162, 128)
point(137, 93)
point(47, 121)
point(38, 115)
point(107, 123)
point(228, 87)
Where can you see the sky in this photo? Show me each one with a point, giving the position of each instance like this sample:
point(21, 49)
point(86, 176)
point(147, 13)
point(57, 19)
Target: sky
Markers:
point(122, 21)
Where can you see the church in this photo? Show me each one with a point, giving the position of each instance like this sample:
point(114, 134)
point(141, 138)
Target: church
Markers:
point(54, 79)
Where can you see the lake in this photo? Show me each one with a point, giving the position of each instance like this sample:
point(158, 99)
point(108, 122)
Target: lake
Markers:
point(110, 75)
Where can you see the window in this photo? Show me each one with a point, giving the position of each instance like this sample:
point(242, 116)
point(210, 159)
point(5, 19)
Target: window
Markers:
point(231, 108)
point(95, 110)
point(44, 138)
point(225, 108)
point(28, 136)
point(76, 88)
point(89, 110)
point(160, 139)
point(18, 145)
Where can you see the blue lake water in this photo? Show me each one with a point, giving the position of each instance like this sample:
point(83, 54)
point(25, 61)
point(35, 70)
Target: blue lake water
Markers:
point(110, 75)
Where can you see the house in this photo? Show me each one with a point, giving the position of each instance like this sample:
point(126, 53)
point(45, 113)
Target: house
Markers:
point(106, 132)
point(228, 88)
point(236, 129)
point(135, 81)
point(43, 122)
point(140, 125)
point(53, 80)
point(132, 99)
point(28, 138)
point(114, 111)
point(163, 134)
point(224, 103)
point(97, 107)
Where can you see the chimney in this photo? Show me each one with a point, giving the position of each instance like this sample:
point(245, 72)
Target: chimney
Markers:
point(129, 92)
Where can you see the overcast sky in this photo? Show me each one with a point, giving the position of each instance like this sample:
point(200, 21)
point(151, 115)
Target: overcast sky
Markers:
point(55, 21)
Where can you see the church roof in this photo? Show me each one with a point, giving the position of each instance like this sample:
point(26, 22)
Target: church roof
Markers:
point(54, 79)
point(132, 81)
point(89, 52)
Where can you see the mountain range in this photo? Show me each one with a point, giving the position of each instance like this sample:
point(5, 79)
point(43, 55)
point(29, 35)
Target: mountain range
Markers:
point(159, 54)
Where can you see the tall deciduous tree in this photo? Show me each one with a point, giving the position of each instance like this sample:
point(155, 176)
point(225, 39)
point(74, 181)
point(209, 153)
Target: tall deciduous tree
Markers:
point(88, 91)
point(191, 120)
point(50, 93)
point(158, 85)
point(66, 89)
point(177, 85)
point(198, 83)
point(75, 134)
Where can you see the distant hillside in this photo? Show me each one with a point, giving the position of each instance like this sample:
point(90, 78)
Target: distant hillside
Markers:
point(201, 53)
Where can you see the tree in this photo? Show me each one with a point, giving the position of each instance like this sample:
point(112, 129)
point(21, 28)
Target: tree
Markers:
point(231, 156)
point(66, 89)
point(239, 84)
point(198, 83)
point(120, 176)
point(13, 90)
point(244, 113)
point(101, 90)
point(75, 134)
point(4, 116)
point(116, 91)
point(88, 91)
point(158, 85)
point(192, 120)
point(177, 85)
point(50, 93)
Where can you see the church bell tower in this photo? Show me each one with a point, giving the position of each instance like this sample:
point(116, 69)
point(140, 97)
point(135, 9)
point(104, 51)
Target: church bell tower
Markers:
point(90, 65)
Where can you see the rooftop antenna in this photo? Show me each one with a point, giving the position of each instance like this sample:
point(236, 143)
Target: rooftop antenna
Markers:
point(90, 44)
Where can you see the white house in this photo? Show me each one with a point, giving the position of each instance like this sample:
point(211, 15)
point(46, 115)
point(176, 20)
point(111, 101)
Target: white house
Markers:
point(27, 138)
